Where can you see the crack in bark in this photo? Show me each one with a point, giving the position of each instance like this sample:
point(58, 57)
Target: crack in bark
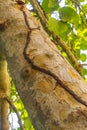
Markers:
point(48, 72)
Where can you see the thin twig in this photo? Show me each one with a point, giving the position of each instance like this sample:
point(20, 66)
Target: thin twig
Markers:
point(85, 64)
point(16, 111)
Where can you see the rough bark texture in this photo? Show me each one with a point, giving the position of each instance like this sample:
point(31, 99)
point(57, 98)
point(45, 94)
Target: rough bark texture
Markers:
point(50, 107)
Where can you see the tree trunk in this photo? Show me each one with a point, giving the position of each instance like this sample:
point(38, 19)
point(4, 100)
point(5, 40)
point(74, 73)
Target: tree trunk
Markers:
point(53, 93)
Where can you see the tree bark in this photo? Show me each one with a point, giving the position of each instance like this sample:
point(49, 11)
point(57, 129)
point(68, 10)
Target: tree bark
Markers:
point(44, 79)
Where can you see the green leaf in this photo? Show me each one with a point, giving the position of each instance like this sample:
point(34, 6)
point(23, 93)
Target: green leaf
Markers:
point(84, 72)
point(60, 28)
point(26, 1)
point(83, 44)
point(83, 57)
point(82, 0)
point(68, 14)
point(28, 125)
point(49, 5)
point(84, 7)
point(84, 32)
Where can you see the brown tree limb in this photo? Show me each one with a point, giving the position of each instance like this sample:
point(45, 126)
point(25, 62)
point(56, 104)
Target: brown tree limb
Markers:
point(85, 64)
point(4, 115)
point(29, 60)
point(57, 39)
point(4, 90)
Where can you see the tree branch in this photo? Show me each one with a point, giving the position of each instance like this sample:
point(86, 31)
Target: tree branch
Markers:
point(57, 39)
point(41, 69)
